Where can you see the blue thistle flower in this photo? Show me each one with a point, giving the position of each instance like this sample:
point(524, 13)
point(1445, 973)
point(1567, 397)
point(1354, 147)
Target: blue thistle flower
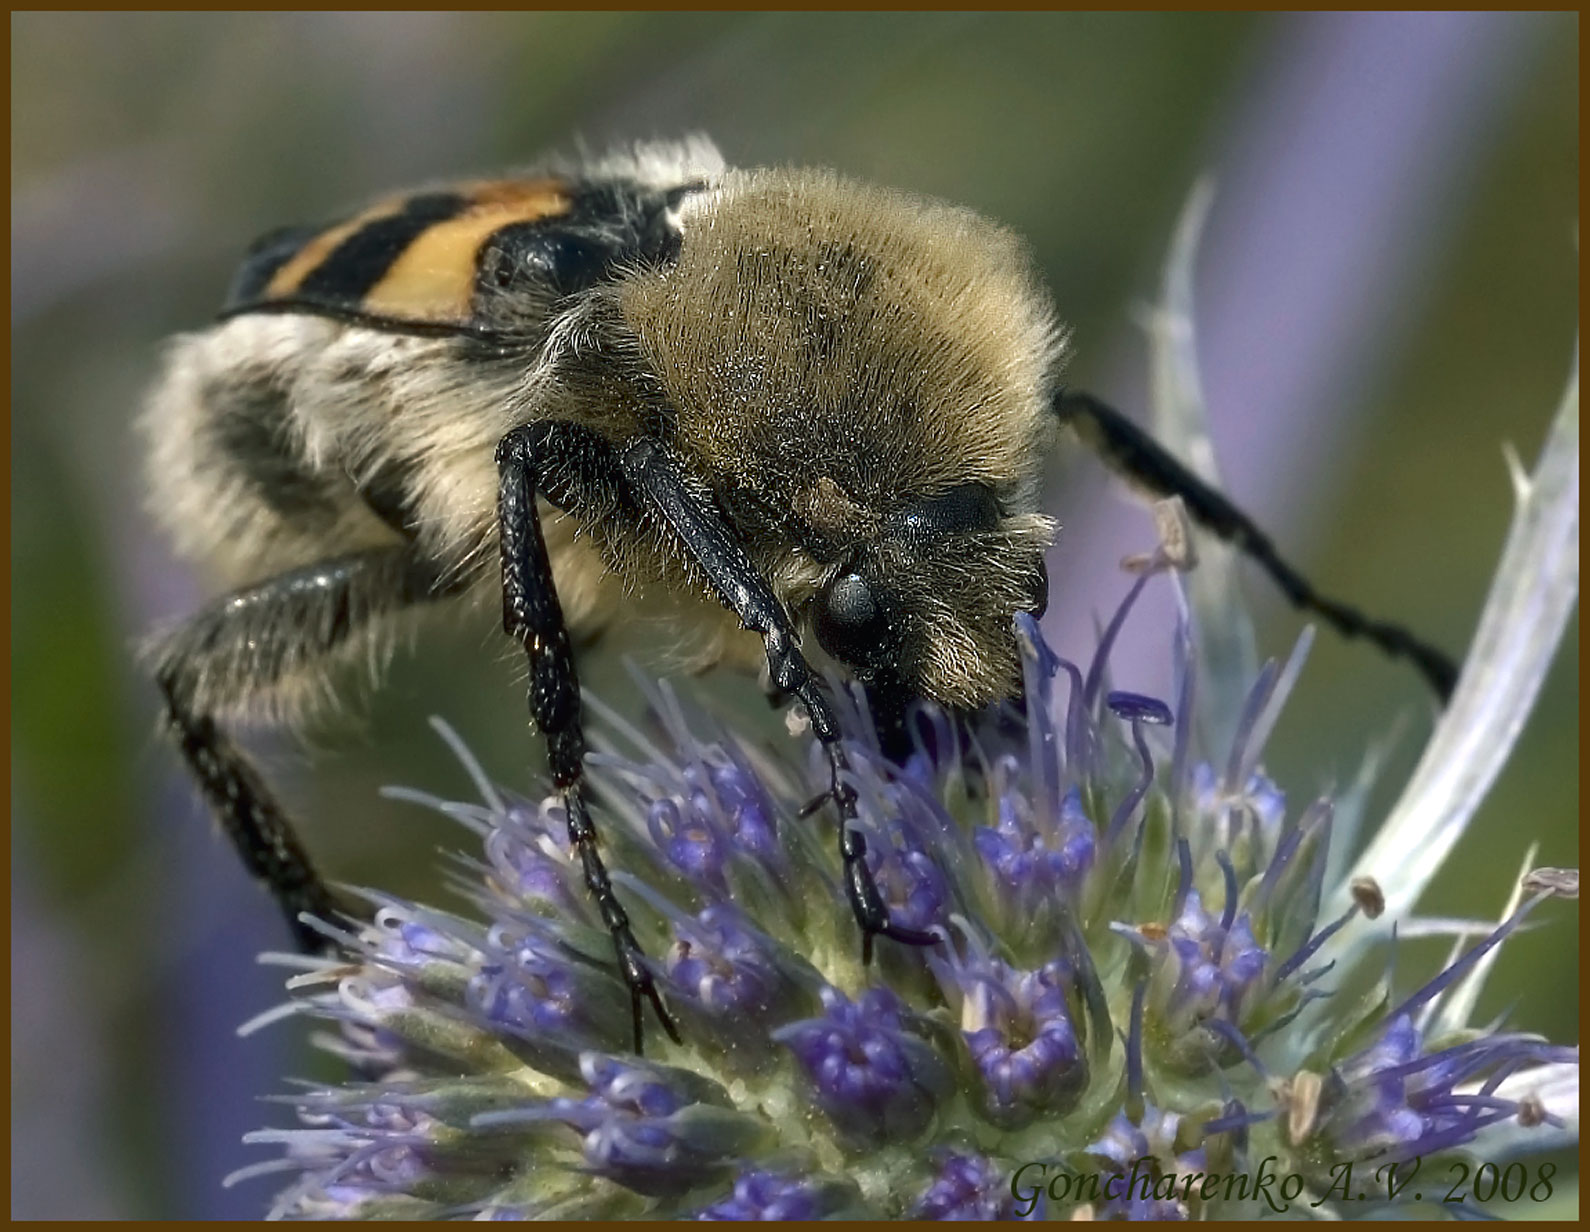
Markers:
point(770, 1195)
point(809, 1085)
point(967, 1186)
point(867, 1067)
point(1025, 1050)
point(1150, 990)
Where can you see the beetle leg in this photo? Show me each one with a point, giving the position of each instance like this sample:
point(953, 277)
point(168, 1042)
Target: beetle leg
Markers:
point(731, 573)
point(235, 654)
point(559, 461)
point(1137, 455)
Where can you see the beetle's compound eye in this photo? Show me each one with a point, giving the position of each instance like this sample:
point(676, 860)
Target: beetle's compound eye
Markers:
point(853, 624)
point(965, 509)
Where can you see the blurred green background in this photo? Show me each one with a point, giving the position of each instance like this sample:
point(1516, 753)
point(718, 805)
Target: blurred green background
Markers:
point(1387, 294)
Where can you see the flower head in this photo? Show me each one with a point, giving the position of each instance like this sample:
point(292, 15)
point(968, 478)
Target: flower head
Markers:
point(1148, 1004)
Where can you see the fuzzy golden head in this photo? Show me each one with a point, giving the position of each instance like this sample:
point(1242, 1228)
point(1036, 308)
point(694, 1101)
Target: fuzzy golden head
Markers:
point(862, 379)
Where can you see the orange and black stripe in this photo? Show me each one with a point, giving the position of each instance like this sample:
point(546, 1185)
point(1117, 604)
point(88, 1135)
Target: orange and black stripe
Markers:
point(465, 259)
